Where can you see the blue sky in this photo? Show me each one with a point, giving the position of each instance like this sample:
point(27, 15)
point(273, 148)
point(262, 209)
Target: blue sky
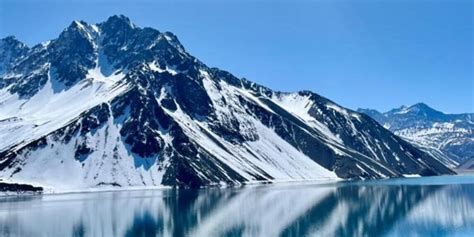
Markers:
point(358, 53)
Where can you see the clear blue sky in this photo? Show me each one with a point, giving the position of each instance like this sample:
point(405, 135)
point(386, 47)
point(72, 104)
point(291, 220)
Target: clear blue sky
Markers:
point(371, 54)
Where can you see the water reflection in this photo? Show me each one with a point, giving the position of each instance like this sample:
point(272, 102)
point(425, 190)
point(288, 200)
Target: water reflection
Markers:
point(376, 209)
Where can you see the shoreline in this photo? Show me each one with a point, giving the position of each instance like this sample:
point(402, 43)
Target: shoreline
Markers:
point(50, 191)
point(435, 180)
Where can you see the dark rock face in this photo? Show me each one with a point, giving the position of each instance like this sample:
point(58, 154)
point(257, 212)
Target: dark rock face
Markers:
point(177, 122)
point(452, 134)
point(72, 54)
point(11, 51)
point(19, 188)
point(30, 85)
point(141, 125)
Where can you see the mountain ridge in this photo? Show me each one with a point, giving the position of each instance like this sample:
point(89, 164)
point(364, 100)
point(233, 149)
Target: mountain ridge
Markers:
point(450, 134)
point(115, 104)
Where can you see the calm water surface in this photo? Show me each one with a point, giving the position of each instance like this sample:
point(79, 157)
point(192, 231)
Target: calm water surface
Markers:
point(437, 206)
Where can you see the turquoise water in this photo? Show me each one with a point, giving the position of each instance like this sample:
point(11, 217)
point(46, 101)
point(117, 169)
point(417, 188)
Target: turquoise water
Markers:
point(435, 206)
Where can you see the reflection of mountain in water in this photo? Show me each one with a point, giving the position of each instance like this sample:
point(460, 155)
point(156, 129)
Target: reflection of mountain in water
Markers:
point(303, 210)
point(441, 214)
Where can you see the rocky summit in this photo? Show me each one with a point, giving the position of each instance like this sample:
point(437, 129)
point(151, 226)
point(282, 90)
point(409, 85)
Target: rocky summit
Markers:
point(116, 105)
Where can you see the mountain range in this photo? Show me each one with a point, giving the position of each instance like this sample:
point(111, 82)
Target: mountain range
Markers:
point(444, 135)
point(116, 105)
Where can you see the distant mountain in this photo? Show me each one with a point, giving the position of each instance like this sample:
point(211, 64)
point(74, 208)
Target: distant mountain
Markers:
point(449, 135)
point(113, 104)
point(467, 165)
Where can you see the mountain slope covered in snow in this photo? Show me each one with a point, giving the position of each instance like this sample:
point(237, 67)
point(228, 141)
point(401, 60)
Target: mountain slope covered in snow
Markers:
point(113, 104)
point(444, 135)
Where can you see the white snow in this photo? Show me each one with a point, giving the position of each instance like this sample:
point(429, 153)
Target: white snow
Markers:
point(270, 153)
point(95, 28)
point(154, 67)
point(110, 162)
point(295, 103)
point(403, 110)
point(97, 75)
point(299, 106)
point(22, 121)
point(55, 168)
point(412, 175)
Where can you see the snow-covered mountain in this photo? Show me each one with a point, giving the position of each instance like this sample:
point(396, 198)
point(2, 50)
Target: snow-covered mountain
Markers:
point(115, 104)
point(448, 135)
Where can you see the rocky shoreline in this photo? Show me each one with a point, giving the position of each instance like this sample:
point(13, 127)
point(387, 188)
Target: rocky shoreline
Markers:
point(16, 188)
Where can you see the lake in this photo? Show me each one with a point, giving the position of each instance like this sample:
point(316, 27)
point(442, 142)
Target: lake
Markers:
point(433, 206)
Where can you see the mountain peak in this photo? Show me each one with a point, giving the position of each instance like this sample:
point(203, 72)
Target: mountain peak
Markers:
point(119, 18)
point(421, 105)
point(118, 22)
point(372, 111)
point(77, 24)
point(79, 29)
point(418, 109)
point(11, 49)
point(9, 38)
point(12, 41)
point(422, 108)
